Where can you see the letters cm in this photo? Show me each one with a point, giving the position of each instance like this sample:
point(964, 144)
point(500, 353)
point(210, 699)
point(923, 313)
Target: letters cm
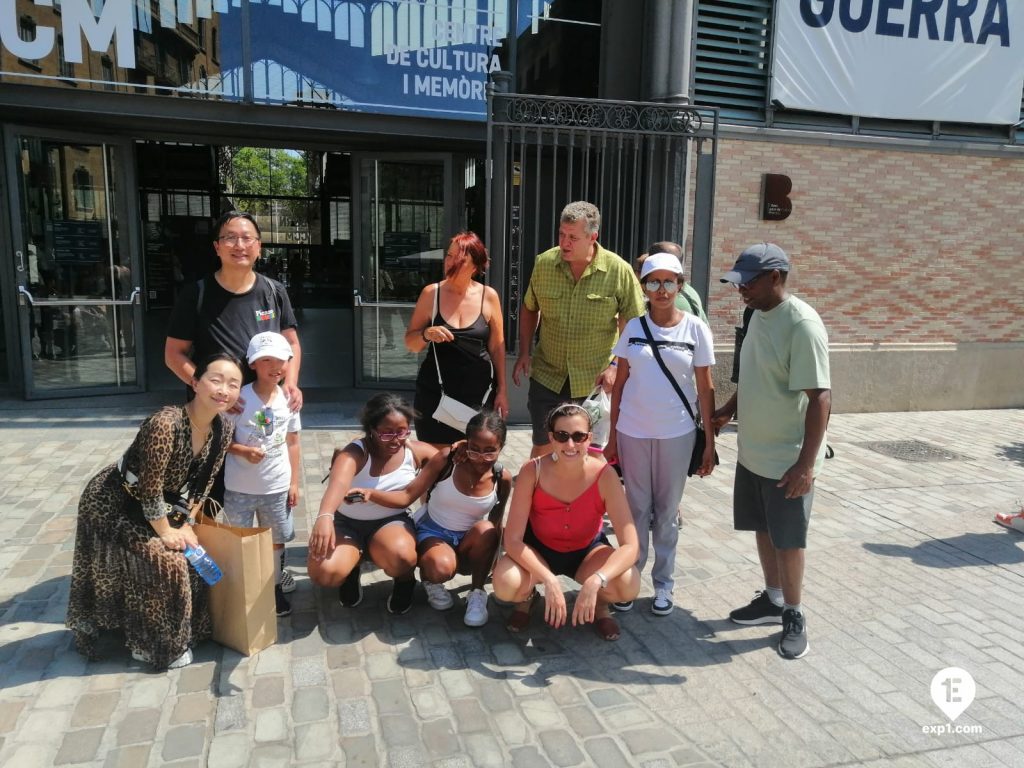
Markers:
point(856, 15)
point(114, 25)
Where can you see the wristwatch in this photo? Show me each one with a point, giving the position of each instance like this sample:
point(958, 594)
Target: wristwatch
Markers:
point(602, 578)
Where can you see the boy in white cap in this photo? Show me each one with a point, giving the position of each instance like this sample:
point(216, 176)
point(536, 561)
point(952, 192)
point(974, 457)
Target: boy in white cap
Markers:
point(262, 469)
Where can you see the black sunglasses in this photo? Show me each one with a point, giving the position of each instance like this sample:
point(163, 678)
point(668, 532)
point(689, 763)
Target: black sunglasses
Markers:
point(562, 436)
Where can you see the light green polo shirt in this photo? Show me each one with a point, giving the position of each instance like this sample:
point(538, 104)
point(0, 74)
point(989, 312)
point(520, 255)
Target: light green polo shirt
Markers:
point(687, 299)
point(785, 352)
point(578, 325)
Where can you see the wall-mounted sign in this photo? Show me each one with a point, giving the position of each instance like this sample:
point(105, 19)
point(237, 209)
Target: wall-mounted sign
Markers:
point(954, 60)
point(775, 202)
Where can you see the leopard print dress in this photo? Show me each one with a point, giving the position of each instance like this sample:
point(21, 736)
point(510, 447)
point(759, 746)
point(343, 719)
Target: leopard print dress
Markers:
point(123, 578)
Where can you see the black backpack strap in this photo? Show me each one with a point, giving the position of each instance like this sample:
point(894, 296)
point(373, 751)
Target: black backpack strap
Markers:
point(694, 309)
point(449, 469)
point(200, 290)
point(666, 371)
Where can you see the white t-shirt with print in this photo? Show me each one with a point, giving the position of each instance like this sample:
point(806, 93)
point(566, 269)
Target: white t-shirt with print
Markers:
point(266, 426)
point(650, 407)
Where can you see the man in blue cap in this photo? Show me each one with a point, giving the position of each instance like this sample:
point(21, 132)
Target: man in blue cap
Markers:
point(782, 401)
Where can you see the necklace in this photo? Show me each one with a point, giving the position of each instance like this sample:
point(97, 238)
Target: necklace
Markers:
point(196, 428)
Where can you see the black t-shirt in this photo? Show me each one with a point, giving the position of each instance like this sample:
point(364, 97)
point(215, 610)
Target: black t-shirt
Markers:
point(225, 321)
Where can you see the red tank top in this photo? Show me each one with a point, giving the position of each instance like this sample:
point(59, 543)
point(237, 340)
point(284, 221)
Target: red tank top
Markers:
point(567, 527)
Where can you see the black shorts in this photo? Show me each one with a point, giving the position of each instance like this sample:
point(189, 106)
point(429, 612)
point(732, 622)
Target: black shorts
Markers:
point(758, 504)
point(362, 531)
point(562, 563)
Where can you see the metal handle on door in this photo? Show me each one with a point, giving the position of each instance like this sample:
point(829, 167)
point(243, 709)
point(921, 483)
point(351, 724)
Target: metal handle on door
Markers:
point(21, 260)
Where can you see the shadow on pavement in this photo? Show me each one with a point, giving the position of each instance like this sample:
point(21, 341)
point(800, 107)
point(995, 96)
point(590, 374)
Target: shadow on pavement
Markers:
point(1000, 547)
point(1013, 452)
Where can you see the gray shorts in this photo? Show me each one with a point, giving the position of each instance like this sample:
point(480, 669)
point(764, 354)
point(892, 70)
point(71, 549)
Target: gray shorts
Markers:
point(270, 510)
point(540, 401)
point(759, 505)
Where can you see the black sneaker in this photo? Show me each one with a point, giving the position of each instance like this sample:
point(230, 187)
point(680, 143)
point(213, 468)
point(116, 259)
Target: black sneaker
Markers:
point(401, 597)
point(760, 610)
point(350, 593)
point(793, 643)
point(283, 606)
point(623, 607)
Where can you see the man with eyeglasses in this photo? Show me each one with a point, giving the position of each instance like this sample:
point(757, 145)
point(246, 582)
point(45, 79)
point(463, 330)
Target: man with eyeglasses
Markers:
point(783, 402)
point(581, 296)
point(222, 312)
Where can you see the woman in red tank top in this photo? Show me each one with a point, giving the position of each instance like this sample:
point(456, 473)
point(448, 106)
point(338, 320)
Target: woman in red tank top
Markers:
point(554, 529)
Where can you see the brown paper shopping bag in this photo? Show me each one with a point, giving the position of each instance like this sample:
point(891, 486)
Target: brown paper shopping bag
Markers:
point(242, 602)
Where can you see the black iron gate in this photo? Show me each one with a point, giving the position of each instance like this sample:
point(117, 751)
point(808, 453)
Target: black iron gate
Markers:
point(648, 167)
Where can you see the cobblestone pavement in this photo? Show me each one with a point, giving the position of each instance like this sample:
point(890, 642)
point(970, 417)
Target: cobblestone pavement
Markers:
point(906, 575)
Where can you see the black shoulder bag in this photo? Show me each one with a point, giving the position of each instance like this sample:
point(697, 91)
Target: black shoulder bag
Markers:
point(700, 439)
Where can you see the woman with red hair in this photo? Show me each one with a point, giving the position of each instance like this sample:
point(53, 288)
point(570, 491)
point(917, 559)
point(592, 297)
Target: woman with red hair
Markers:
point(458, 321)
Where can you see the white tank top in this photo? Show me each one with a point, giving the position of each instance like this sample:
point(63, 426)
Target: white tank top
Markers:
point(398, 480)
point(454, 510)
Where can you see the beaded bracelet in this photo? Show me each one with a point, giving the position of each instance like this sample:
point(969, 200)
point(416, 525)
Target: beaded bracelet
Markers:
point(325, 514)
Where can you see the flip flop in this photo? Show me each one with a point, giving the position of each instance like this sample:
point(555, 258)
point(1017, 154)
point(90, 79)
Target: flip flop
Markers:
point(607, 628)
point(520, 618)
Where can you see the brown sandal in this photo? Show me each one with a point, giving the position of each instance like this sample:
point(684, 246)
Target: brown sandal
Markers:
point(520, 618)
point(607, 628)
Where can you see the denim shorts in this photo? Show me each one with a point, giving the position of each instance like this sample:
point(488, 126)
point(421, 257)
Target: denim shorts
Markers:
point(270, 510)
point(426, 528)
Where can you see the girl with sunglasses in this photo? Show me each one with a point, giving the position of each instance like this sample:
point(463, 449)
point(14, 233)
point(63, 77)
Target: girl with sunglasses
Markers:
point(458, 527)
point(652, 433)
point(384, 459)
point(555, 528)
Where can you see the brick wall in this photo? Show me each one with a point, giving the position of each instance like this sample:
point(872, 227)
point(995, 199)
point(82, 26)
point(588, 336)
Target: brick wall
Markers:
point(889, 246)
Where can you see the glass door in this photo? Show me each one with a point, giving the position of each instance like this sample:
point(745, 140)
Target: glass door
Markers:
point(404, 221)
point(77, 283)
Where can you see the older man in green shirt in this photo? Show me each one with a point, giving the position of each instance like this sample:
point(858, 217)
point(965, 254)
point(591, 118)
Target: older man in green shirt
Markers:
point(581, 296)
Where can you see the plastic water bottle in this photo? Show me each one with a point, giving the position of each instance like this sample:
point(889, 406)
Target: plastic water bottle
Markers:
point(203, 564)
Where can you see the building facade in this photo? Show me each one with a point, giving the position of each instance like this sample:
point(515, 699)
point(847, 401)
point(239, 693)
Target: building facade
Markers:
point(357, 133)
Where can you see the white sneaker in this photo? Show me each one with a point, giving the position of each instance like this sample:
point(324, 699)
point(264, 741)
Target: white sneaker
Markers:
point(287, 582)
point(438, 596)
point(662, 605)
point(476, 608)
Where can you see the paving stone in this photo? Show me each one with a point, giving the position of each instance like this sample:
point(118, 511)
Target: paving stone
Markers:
point(308, 671)
point(184, 741)
point(9, 712)
point(149, 692)
point(310, 704)
point(271, 756)
point(271, 725)
point(231, 713)
point(406, 757)
point(606, 697)
point(139, 725)
point(484, 750)
point(430, 704)
point(135, 756)
point(390, 696)
point(605, 752)
point(94, 709)
point(439, 739)
point(560, 747)
point(512, 728)
point(353, 717)
point(528, 757)
point(79, 746)
point(268, 691)
point(196, 677)
point(315, 740)
point(191, 708)
point(399, 730)
point(360, 752)
point(230, 750)
point(583, 721)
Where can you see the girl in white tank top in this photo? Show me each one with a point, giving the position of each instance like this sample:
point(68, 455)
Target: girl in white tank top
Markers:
point(458, 529)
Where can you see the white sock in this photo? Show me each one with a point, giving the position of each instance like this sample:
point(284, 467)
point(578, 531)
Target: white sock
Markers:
point(775, 595)
point(277, 567)
point(798, 607)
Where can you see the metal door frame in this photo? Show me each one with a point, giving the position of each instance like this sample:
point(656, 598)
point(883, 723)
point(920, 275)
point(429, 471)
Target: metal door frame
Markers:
point(358, 303)
point(16, 294)
point(622, 150)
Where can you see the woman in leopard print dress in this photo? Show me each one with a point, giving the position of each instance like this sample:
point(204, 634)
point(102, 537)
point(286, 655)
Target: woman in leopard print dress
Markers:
point(129, 573)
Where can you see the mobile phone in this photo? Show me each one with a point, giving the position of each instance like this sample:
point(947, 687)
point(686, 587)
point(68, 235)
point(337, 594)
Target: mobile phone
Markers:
point(354, 497)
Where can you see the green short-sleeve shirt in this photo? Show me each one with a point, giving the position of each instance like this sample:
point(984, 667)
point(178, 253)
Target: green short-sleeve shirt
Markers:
point(688, 300)
point(784, 353)
point(578, 320)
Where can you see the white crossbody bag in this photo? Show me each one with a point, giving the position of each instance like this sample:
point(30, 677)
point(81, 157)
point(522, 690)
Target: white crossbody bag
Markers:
point(455, 413)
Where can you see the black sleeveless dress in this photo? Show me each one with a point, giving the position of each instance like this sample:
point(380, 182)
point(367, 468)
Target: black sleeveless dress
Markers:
point(466, 370)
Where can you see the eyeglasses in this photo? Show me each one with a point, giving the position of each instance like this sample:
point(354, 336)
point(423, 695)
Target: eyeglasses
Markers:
point(387, 437)
point(562, 436)
point(670, 286)
point(245, 240)
point(751, 281)
point(485, 455)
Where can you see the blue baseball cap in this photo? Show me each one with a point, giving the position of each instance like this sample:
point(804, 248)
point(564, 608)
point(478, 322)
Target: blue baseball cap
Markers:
point(756, 259)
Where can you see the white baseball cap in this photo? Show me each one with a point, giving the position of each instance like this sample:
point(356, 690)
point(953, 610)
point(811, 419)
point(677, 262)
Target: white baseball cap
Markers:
point(268, 344)
point(658, 261)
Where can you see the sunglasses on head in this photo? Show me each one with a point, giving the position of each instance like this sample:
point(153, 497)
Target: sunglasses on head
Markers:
point(387, 437)
point(562, 436)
